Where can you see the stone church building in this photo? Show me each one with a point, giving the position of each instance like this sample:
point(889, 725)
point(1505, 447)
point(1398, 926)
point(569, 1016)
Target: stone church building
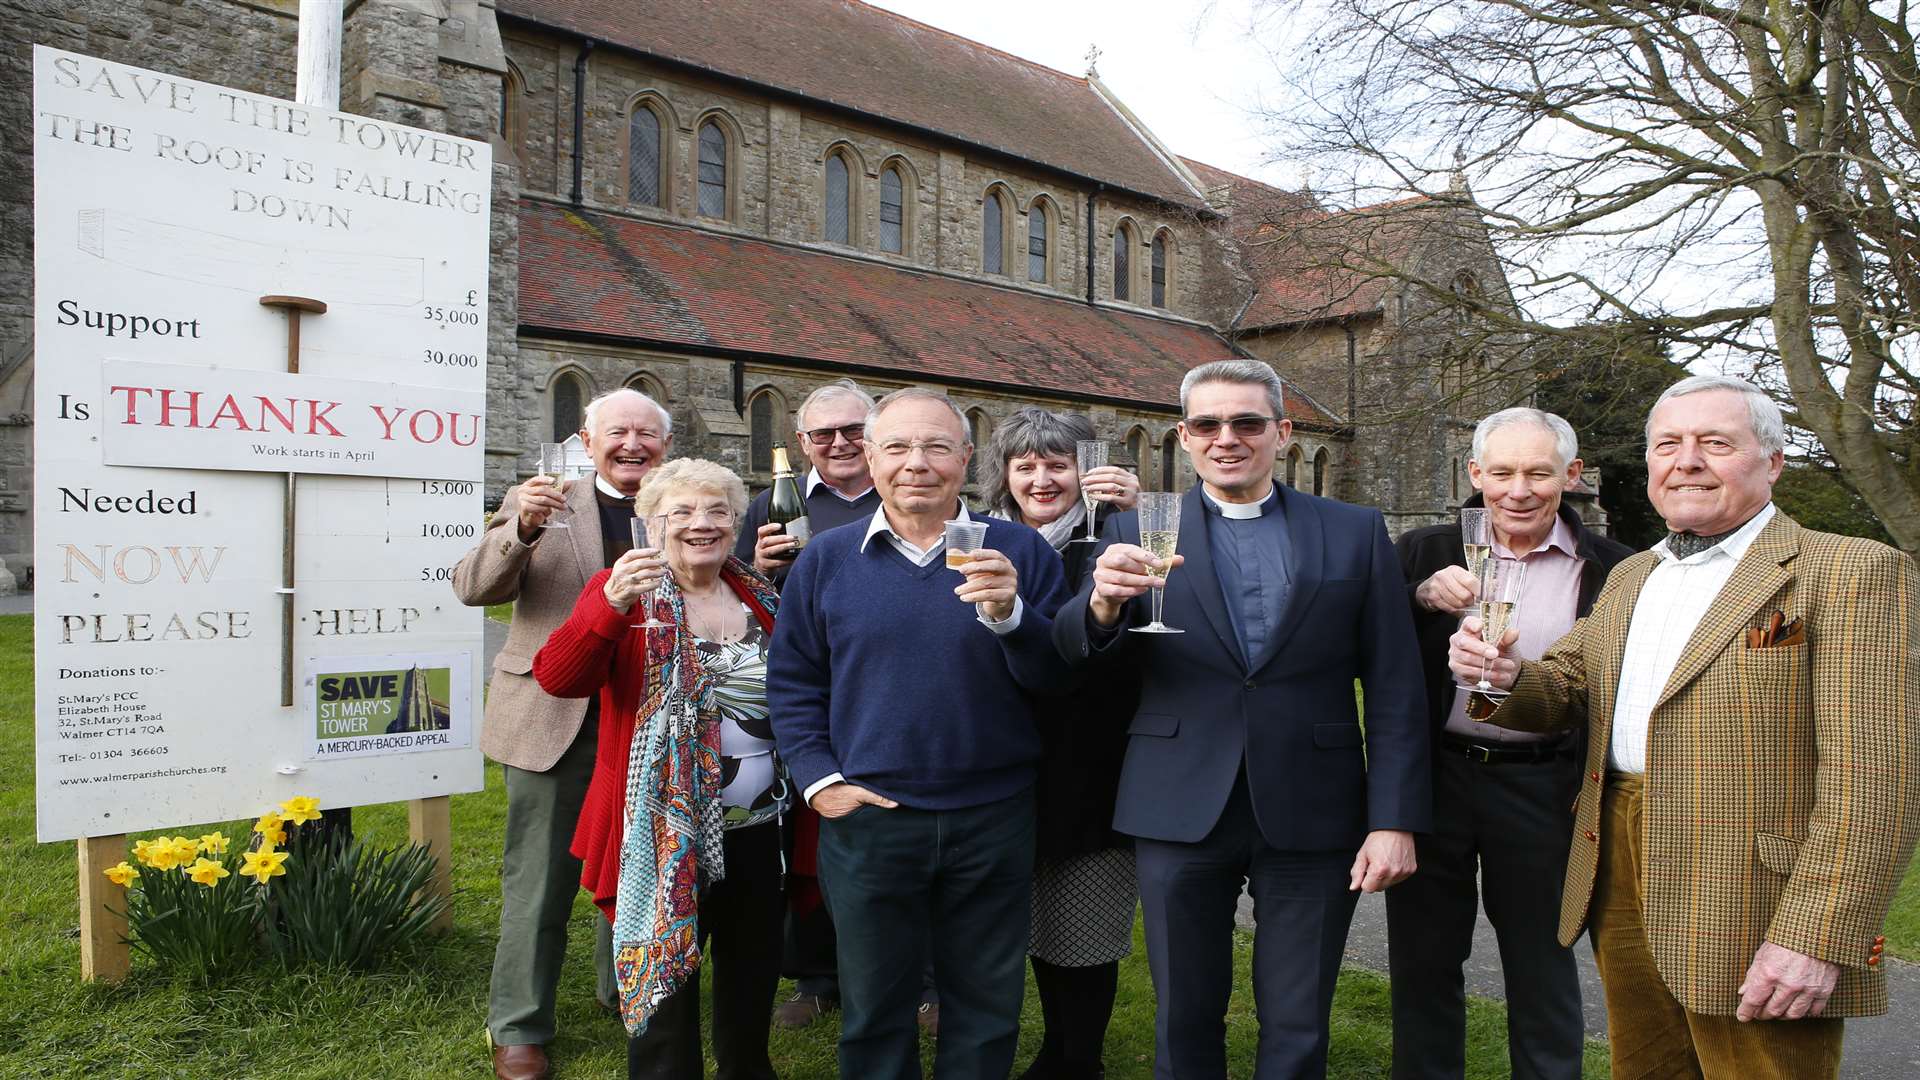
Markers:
point(725, 203)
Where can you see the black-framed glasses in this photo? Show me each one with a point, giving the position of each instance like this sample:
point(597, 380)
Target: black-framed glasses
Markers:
point(1206, 427)
point(823, 436)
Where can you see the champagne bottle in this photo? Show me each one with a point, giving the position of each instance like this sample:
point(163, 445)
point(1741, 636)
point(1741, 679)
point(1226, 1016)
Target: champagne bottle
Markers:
point(786, 507)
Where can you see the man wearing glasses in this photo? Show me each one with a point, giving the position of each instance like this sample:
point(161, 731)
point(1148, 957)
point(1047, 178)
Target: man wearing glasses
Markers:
point(1247, 761)
point(839, 488)
point(906, 700)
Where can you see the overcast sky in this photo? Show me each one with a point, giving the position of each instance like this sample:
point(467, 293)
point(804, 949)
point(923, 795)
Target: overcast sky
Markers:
point(1187, 67)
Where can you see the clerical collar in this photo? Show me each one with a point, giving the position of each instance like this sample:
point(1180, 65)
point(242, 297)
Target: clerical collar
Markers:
point(600, 484)
point(1244, 511)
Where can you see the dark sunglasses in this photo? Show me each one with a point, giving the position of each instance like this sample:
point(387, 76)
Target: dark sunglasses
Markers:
point(1206, 427)
point(823, 436)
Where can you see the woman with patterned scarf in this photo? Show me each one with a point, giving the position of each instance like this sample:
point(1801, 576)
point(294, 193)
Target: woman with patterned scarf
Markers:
point(679, 836)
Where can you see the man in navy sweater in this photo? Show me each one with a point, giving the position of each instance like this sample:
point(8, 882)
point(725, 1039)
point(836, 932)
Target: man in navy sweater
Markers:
point(909, 720)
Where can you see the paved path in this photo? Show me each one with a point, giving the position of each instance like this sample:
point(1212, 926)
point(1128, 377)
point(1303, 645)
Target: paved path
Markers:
point(1881, 1047)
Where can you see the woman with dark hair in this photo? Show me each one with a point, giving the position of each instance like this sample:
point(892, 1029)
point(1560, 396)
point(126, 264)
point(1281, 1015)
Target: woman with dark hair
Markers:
point(1083, 883)
point(679, 836)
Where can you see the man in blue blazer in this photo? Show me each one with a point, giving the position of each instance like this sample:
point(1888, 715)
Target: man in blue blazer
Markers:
point(1247, 762)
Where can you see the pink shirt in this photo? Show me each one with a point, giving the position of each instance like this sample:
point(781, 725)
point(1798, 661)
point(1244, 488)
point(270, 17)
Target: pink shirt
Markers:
point(1548, 598)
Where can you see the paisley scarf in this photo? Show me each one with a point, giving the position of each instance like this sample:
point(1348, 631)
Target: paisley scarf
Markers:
point(671, 838)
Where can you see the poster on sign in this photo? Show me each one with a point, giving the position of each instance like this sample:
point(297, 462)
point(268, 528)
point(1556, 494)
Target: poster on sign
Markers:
point(179, 229)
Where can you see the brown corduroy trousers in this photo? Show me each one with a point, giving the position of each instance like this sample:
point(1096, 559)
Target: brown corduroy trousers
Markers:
point(1650, 1035)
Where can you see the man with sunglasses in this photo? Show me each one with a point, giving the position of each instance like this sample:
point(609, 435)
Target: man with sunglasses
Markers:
point(838, 489)
point(1247, 761)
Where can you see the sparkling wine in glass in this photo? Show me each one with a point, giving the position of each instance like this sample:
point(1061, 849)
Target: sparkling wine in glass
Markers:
point(553, 466)
point(1160, 535)
point(638, 527)
point(1500, 582)
point(1476, 536)
point(1090, 454)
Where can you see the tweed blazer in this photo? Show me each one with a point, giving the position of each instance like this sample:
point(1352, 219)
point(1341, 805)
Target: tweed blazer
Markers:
point(525, 726)
point(1781, 799)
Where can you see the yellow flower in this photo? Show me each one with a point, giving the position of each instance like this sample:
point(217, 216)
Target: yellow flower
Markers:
point(160, 854)
point(122, 875)
point(301, 809)
point(143, 851)
point(184, 849)
point(261, 865)
point(269, 822)
point(214, 843)
point(207, 872)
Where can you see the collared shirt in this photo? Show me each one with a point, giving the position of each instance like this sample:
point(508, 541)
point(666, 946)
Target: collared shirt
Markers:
point(814, 480)
point(915, 554)
point(1549, 596)
point(1251, 556)
point(600, 484)
point(1671, 604)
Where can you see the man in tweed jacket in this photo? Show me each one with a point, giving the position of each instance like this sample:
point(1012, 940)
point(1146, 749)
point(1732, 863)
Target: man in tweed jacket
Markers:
point(544, 744)
point(1749, 802)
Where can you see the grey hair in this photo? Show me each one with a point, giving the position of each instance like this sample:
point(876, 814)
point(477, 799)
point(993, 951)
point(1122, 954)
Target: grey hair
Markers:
point(838, 388)
point(1566, 446)
point(1763, 414)
point(1031, 430)
point(1244, 372)
point(666, 418)
point(691, 474)
point(918, 393)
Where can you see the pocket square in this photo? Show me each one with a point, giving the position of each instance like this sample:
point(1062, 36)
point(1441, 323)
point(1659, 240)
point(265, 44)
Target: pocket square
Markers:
point(1779, 632)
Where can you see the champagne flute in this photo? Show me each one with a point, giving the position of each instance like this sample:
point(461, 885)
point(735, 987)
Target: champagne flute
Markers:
point(1160, 535)
point(1090, 454)
point(1500, 582)
point(638, 528)
point(1476, 536)
point(963, 539)
point(553, 466)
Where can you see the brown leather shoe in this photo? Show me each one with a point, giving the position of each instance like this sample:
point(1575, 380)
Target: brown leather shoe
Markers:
point(524, 1062)
point(929, 1018)
point(801, 1010)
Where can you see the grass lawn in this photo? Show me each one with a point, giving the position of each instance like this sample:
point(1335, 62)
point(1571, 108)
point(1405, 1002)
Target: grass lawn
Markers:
point(424, 1016)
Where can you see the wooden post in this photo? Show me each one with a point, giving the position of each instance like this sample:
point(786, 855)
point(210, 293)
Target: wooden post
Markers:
point(430, 823)
point(104, 954)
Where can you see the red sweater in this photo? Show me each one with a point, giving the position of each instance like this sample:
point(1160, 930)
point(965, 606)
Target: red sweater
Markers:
point(597, 650)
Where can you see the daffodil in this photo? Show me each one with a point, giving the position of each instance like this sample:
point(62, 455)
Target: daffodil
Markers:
point(122, 874)
point(143, 851)
point(160, 855)
point(272, 828)
point(261, 865)
point(184, 849)
point(214, 843)
point(207, 872)
point(301, 809)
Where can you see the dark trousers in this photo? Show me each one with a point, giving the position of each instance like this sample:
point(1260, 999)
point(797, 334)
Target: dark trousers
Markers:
point(1075, 1003)
point(740, 945)
point(1188, 896)
point(958, 882)
point(1504, 828)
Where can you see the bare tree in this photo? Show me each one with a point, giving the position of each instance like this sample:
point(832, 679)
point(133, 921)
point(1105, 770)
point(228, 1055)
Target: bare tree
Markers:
point(1736, 180)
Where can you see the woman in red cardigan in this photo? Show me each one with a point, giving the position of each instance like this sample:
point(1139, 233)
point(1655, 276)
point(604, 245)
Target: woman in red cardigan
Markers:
point(679, 838)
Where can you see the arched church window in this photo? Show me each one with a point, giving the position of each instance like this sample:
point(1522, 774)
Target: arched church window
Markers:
point(839, 210)
point(644, 159)
point(892, 211)
point(713, 170)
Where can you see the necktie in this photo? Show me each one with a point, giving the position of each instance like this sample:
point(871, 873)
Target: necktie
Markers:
point(1685, 544)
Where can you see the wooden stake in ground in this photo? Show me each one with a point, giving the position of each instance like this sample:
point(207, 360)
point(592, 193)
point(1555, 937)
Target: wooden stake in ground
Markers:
point(430, 824)
point(104, 952)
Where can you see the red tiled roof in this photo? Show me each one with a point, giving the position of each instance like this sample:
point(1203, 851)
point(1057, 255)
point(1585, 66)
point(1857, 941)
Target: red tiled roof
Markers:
point(857, 56)
point(1314, 264)
point(584, 272)
point(1249, 202)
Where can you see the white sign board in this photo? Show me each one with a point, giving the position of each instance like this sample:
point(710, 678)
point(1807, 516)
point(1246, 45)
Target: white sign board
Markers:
point(164, 210)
